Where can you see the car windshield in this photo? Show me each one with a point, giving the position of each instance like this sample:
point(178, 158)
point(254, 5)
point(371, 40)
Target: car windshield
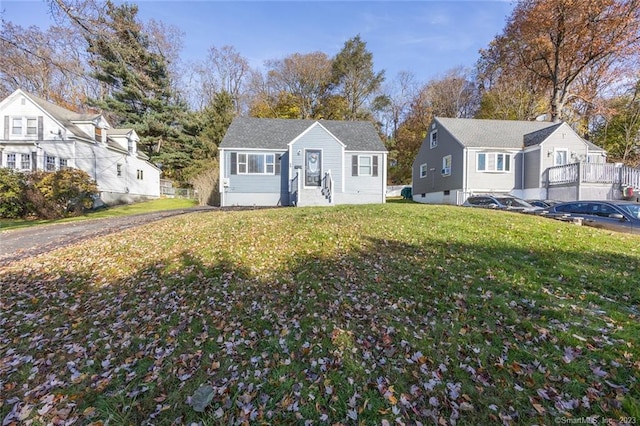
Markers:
point(632, 209)
point(513, 202)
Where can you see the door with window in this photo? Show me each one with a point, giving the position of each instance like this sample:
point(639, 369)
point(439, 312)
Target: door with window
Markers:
point(560, 157)
point(313, 167)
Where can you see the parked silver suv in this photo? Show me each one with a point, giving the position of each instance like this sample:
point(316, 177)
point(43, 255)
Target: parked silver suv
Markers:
point(614, 215)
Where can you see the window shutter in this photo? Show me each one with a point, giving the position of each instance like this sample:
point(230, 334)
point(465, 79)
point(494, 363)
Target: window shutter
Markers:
point(0, 158)
point(277, 161)
point(374, 171)
point(6, 127)
point(40, 128)
point(354, 165)
point(34, 161)
point(234, 163)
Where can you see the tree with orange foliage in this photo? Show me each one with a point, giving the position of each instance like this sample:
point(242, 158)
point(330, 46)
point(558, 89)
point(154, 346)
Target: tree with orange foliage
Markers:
point(556, 42)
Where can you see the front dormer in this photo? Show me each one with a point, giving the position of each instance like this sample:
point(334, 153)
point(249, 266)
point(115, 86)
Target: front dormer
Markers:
point(125, 140)
point(132, 143)
point(100, 128)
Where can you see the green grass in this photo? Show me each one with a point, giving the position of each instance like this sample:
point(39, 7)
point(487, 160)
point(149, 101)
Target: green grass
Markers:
point(349, 315)
point(122, 210)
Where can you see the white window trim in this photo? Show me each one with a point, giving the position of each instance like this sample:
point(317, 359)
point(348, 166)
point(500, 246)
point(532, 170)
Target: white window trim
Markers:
point(446, 171)
point(370, 157)
point(423, 170)
point(15, 160)
point(266, 163)
point(47, 163)
point(24, 127)
point(495, 162)
point(433, 139)
point(556, 151)
point(23, 161)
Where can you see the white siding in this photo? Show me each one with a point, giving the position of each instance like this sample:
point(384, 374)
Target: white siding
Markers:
point(98, 161)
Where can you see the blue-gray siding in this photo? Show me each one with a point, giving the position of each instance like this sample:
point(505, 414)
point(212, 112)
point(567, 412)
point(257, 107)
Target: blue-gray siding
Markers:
point(318, 138)
point(254, 183)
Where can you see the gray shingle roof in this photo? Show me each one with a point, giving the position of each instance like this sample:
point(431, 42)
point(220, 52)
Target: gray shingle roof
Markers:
point(491, 133)
point(274, 133)
point(63, 115)
point(537, 137)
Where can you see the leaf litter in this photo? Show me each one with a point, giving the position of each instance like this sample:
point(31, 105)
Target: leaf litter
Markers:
point(309, 316)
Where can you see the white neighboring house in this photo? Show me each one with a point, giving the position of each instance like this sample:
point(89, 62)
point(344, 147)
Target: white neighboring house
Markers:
point(38, 135)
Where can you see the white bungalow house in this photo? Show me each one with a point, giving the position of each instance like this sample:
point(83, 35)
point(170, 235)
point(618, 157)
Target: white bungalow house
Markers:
point(528, 159)
point(38, 135)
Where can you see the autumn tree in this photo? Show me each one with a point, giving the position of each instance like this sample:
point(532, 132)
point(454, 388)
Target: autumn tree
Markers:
point(223, 70)
point(619, 131)
point(453, 95)
point(353, 76)
point(305, 77)
point(394, 103)
point(557, 41)
point(47, 63)
point(409, 136)
point(511, 100)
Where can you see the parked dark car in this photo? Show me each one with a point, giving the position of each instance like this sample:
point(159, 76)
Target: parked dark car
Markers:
point(614, 215)
point(500, 202)
point(545, 204)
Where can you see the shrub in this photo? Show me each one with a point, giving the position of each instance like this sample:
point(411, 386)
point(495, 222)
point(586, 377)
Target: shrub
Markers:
point(12, 194)
point(67, 192)
point(206, 185)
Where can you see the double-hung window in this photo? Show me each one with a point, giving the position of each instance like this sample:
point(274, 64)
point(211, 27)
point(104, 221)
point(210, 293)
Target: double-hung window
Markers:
point(364, 165)
point(11, 161)
point(50, 163)
point(423, 170)
point(16, 126)
point(24, 126)
point(25, 161)
point(493, 162)
point(63, 163)
point(32, 126)
point(433, 139)
point(446, 165)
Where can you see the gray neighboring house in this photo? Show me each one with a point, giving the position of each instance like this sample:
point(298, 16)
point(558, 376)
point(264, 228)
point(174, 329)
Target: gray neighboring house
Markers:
point(279, 162)
point(528, 159)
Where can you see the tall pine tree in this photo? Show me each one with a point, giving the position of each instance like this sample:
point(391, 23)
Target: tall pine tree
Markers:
point(136, 84)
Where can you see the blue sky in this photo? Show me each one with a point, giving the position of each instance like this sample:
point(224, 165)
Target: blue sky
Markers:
point(426, 37)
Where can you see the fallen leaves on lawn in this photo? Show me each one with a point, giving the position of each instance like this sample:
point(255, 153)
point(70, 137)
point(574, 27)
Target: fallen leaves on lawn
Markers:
point(299, 317)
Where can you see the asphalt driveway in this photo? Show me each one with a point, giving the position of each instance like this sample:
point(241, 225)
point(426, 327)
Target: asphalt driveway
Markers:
point(23, 243)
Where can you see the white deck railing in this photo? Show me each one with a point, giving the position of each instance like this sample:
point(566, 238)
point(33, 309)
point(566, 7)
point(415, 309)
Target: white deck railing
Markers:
point(594, 173)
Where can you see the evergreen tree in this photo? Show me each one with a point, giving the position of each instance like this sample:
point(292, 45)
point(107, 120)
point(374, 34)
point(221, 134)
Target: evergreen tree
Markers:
point(353, 76)
point(137, 87)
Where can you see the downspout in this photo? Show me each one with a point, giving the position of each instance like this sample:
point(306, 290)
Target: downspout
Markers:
point(384, 177)
point(95, 164)
point(522, 172)
point(465, 177)
point(221, 173)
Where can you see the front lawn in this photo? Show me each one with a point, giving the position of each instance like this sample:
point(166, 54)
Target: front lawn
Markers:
point(390, 314)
